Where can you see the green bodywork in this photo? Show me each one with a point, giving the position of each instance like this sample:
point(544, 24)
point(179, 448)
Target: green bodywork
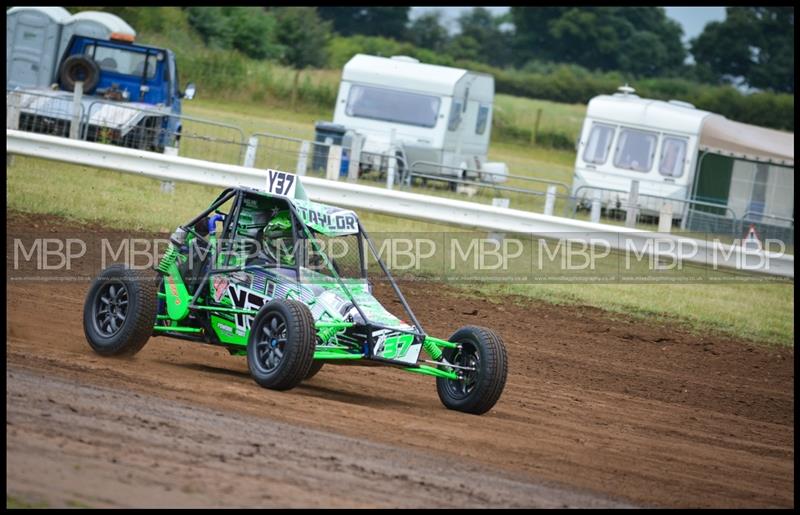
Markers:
point(231, 298)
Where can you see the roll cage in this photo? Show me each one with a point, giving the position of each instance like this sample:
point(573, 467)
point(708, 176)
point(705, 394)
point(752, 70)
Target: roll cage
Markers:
point(301, 231)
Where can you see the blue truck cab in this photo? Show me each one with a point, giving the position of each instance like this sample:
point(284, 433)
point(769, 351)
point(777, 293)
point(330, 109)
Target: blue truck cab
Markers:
point(143, 73)
point(118, 71)
point(130, 95)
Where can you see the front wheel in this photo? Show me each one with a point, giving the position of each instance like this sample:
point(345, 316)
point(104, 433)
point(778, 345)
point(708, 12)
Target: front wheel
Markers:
point(316, 366)
point(280, 349)
point(482, 355)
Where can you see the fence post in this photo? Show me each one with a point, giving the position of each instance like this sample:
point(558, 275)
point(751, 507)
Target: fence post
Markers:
point(536, 124)
point(550, 200)
point(685, 216)
point(665, 217)
point(168, 187)
point(334, 163)
point(302, 158)
point(392, 164)
point(499, 202)
point(633, 201)
point(355, 157)
point(12, 114)
point(250, 152)
point(594, 215)
point(75, 125)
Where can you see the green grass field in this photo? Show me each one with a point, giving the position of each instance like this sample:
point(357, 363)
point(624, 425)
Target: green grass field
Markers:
point(557, 117)
point(18, 503)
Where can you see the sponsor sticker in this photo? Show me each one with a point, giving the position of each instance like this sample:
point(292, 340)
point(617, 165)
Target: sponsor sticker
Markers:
point(220, 287)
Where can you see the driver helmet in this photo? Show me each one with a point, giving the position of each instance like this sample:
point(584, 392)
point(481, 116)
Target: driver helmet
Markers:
point(277, 240)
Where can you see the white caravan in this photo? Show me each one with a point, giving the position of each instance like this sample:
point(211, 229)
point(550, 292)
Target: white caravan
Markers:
point(679, 152)
point(421, 112)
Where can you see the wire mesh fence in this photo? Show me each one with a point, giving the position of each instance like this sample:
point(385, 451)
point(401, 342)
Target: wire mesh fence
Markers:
point(158, 130)
point(489, 187)
point(769, 227)
point(43, 112)
point(290, 154)
point(211, 141)
point(321, 159)
point(688, 215)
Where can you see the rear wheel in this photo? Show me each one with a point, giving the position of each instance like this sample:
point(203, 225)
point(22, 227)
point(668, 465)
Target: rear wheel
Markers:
point(280, 349)
point(482, 356)
point(120, 311)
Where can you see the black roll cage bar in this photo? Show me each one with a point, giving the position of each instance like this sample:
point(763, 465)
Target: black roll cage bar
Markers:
point(229, 225)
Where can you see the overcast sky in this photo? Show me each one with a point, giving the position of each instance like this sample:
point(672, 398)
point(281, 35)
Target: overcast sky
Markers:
point(692, 19)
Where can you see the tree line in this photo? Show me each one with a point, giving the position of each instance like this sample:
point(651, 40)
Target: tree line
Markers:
point(752, 47)
point(564, 54)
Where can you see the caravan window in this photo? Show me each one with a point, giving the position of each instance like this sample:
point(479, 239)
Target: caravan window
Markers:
point(599, 143)
point(673, 153)
point(393, 106)
point(635, 150)
point(455, 116)
point(483, 117)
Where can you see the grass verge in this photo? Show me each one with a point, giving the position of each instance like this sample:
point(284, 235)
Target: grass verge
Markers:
point(17, 503)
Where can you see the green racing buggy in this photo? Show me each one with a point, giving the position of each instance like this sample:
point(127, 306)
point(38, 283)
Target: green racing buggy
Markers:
point(284, 281)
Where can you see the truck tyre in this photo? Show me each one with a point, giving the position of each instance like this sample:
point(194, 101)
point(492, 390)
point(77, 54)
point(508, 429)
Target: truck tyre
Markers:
point(79, 68)
point(476, 391)
point(280, 348)
point(120, 311)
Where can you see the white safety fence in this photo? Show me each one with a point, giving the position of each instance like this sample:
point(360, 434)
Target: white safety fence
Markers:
point(400, 203)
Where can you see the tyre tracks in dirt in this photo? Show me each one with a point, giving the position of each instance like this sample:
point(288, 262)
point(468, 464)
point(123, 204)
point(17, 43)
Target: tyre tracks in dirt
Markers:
point(69, 442)
point(609, 406)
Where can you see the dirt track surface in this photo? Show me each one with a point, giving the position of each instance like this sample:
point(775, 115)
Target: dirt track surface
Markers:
point(611, 408)
point(148, 451)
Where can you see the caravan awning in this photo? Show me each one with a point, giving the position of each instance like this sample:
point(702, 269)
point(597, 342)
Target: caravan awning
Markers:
point(740, 140)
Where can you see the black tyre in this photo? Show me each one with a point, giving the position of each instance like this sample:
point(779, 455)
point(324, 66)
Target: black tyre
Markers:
point(79, 68)
point(316, 366)
point(120, 311)
point(477, 390)
point(280, 349)
point(453, 185)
